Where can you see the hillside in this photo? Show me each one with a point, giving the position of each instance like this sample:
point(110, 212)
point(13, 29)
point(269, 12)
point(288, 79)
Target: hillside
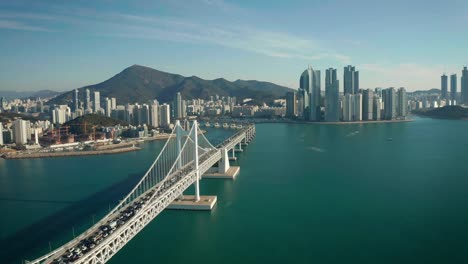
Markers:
point(77, 125)
point(9, 95)
point(140, 84)
point(447, 112)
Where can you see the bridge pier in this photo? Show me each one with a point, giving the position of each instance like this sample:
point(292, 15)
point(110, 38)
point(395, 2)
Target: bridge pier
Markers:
point(233, 156)
point(224, 170)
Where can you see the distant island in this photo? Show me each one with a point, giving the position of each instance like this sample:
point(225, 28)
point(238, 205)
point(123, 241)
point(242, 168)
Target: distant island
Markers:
point(446, 112)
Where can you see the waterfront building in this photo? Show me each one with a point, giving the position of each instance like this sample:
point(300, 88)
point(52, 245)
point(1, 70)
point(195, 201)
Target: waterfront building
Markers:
point(357, 107)
point(129, 113)
point(20, 128)
point(305, 90)
point(97, 102)
point(76, 101)
point(367, 104)
point(402, 103)
point(464, 86)
point(291, 105)
point(378, 92)
point(154, 114)
point(315, 97)
point(165, 119)
point(88, 102)
point(389, 100)
point(453, 88)
point(332, 96)
point(350, 80)
point(1, 134)
point(444, 86)
point(348, 107)
point(377, 108)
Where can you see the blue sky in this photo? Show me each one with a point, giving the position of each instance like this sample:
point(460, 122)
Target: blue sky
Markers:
point(62, 45)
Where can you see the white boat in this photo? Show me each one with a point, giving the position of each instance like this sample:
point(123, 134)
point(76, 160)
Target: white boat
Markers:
point(217, 125)
point(207, 124)
point(239, 126)
point(233, 126)
point(225, 125)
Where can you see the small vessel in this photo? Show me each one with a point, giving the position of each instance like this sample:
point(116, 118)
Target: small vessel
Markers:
point(207, 124)
point(233, 126)
point(217, 125)
point(239, 126)
point(225, 125)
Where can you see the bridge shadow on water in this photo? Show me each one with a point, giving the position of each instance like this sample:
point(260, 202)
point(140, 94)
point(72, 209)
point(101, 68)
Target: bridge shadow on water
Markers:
point(33, 240)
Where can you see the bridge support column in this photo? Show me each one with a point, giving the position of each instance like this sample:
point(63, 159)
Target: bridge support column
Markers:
point(197, 170)
point(233, 155)
point(240, 147)
point(224, 170)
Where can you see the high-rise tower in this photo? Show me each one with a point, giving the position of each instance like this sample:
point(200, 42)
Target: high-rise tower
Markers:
point(332, 96)
point(443, 86)
point(464, 86)
point(453, 87)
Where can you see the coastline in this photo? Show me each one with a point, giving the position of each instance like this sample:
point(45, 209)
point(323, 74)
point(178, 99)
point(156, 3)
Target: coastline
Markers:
point(332, 123)
point(122, 147)
point(16, 155)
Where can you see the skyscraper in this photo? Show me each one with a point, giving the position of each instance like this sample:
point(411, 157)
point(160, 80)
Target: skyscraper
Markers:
point(20, 128)
point(88, 101)
point(402, 103)
point(1, 133)
point(332, 96)
point(350, 80)
point(154, 114)
point(107, 106)
point(453, 87)
point(178, 106)
point(389, 97)
point(367, 105)
point(315, 97)
point(165, 111)
point(464, 86)
point(377, 106)
point(291, 105)
point(305, 90)
point(76, 101)
point(348, 107)
point(357, 107)
point(97, 102)
point(444, 86)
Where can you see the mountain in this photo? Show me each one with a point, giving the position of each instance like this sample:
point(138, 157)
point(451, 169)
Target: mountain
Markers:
point(425, 92)
point(9, 95)
point(141, 84)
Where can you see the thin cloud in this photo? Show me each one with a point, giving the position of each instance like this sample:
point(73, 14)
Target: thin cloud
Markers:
point(15, 25)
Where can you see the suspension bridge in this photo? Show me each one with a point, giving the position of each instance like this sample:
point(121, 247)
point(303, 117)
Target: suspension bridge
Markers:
point(185, 157)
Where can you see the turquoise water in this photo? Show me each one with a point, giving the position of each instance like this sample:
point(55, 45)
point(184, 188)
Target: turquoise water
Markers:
point(305, 193)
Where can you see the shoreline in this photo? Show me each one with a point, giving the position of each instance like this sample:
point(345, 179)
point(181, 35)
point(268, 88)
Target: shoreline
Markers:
point(332, 123)
point(16, 155)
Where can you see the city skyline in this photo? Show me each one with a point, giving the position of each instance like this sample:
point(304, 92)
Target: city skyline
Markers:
point(65, 52)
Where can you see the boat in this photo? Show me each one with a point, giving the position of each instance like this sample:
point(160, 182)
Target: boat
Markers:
point(225, 125)
point(217, 125)
point(207, 124)
point(239, 126)
point(233, 126)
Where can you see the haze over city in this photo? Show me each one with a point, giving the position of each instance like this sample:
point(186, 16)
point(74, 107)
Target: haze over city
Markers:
point(65, 45)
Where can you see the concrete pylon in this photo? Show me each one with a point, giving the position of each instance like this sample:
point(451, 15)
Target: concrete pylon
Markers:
point(223, 164)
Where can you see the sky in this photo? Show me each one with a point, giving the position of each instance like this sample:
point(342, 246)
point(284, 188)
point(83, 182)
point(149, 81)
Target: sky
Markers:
point(62, 45)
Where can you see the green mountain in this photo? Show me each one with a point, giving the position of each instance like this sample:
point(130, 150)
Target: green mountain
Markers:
point(446, 112)
point(140, 84)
